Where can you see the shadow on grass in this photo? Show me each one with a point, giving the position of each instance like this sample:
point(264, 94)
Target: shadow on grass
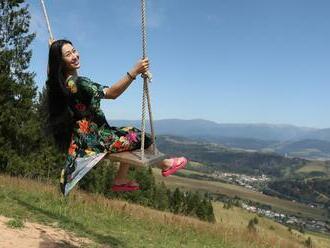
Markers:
point(103, 239)
point(60, 244)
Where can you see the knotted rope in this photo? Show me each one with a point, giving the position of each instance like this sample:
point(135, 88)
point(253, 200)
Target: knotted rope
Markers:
point(146, 80)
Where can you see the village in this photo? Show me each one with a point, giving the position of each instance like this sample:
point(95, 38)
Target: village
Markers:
point(254, 183)
point(290, 220)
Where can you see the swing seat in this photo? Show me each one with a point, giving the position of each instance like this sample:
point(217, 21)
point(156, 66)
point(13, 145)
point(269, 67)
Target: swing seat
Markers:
point(134, 157)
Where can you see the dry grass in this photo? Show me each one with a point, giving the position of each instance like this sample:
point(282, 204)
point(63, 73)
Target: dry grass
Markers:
point(231, 224)
point(278, 235)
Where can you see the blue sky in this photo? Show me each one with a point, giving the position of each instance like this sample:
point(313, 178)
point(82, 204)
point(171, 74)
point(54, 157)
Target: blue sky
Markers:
point(229, 61)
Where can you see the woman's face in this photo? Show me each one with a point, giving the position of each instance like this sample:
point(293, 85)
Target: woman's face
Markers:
point(70, 57)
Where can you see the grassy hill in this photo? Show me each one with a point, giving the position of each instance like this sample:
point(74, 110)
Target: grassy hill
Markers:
point(219, 188)
point(237, 218)
point(315, 167)
point(218, 157)
point(114, 223)
point(306, 148)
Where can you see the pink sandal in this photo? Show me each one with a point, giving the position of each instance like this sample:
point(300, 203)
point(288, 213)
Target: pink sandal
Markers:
point(176, 165)
point(129, 186)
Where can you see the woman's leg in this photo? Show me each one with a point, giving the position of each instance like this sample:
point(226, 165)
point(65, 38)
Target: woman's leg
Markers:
point(122, 171)
point(121, 177)
point(120, 139)
point(129, 138)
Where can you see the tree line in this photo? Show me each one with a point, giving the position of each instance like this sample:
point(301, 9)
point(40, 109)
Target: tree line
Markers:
point(152, 194)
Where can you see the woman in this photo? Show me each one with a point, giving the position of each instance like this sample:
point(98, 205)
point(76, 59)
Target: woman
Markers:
point(79, 126)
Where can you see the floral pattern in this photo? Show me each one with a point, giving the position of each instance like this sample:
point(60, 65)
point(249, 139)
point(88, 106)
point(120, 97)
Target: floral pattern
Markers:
point(92, 134)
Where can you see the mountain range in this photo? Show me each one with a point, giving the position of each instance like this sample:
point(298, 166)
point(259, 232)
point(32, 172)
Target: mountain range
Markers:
point(290, 140)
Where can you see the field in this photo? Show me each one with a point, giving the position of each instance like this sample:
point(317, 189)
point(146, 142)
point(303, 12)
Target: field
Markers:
point(235, 190)
point(237, 218)
point(114, 223)
point(315, 166)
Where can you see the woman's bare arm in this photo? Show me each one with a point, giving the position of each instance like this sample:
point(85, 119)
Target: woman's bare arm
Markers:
point(119, 87)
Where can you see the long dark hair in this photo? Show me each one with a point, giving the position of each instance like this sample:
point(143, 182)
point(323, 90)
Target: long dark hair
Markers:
point(60, 118)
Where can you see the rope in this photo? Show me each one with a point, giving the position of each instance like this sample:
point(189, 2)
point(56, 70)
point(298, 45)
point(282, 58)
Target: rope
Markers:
point(151, 122)
point(47, 20)
point(144, 31)
point(143, 119)
point(146, 97)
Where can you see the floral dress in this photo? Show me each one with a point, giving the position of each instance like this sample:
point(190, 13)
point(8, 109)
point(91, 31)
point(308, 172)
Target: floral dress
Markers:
point(92, 137)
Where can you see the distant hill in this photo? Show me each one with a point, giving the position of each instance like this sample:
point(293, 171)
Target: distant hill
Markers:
point(321, 134)
point(290, 140)
point(315, 190)
point(308, 148)
point(242, 143)
point(217, 157)
point(205, 128)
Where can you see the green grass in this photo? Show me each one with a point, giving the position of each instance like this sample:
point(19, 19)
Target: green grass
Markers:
point(238, 218)
point(106, 222)
point(195, 164)
point(114, 223)
point(15, 223)
point(315, 166)
point(231, 190)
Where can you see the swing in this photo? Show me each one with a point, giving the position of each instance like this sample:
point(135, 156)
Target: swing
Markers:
point(140, 157)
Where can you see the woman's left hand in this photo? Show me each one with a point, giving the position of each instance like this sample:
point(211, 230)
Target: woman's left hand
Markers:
point(141, 67)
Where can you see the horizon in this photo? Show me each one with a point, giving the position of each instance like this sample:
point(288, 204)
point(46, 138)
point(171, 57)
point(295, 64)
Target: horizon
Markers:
point(227, 62)
point(229, 123)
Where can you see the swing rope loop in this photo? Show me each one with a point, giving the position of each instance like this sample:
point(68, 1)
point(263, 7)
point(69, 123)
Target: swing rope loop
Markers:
point(146, 96)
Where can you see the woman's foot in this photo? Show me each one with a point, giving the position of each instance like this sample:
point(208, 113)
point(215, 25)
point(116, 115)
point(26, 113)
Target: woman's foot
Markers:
point(172, 165)
point(125, 185)
point(120, 181)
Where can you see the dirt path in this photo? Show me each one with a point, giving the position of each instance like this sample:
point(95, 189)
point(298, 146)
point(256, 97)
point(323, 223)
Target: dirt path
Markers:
point(34, 235)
